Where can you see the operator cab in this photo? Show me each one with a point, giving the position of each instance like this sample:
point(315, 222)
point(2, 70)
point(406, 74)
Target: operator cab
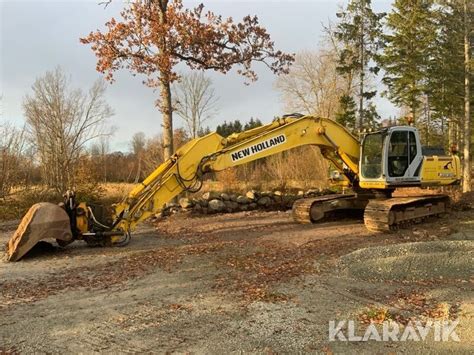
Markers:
point(391, 157)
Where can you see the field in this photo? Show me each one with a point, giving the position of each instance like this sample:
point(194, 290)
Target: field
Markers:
point(249, 281)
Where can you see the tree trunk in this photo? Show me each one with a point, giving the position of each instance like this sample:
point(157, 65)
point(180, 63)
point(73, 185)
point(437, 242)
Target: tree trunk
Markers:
point(361, 100)
point(139, 169)
point(167, 111)
point(362, 72)
point(451, 131)
point(165, 104)
point(466, 187)
point(428, 120)
point(104, 162)
point(413, 112)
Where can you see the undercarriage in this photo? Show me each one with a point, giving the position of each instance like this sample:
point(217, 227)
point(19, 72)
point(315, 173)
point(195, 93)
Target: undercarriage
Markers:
point(380, 213)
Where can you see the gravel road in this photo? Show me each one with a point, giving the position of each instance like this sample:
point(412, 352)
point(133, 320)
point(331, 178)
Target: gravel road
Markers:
point(253, 282)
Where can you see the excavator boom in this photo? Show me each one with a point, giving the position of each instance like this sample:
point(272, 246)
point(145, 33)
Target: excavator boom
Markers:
point(212, 153)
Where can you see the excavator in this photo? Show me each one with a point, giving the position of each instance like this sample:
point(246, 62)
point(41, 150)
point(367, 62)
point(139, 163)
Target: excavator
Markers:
point(373, 167)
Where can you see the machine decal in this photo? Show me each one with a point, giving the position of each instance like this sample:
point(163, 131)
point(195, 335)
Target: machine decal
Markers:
point(257, 148)
point(446, 175)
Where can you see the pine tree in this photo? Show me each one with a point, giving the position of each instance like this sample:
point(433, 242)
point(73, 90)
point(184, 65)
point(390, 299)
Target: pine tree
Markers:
point(359, 32)
point(446, 73)
point(372, 118)
point(347, 112)
point(407, 52)
point(253, 123)
point(203, 131)
point(226, 129)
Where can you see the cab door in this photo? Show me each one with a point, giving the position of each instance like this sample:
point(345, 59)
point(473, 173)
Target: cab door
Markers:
point(403, 153)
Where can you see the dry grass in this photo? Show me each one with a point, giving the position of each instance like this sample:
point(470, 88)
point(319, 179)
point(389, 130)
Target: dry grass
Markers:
point(20, 200)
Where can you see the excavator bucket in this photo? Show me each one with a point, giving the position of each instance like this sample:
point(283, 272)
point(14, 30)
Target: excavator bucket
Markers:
point(43, 220)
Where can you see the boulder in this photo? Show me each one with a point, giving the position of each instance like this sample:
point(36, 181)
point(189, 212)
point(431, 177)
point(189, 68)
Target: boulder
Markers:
point(244, 207)
point(277, 196)
point(264, 201)
point(288, 200)
point(210, 195)
point(243, 199)
point(251, 195)
point(225, 196)
point(170, 205)
point(202, 202)
point(231, 206)
point(233, 197)
point(216, 205)
point(185, 203)
point(312, 192)
point(252, 206)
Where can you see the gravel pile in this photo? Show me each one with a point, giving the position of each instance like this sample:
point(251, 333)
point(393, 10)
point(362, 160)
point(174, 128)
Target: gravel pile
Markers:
point(450, 259)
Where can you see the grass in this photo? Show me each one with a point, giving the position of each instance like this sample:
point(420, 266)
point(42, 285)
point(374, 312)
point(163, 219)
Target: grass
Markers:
point(17, 204)
point(19, 201)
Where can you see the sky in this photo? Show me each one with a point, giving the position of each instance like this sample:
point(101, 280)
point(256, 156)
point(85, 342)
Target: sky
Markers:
point(36, 36)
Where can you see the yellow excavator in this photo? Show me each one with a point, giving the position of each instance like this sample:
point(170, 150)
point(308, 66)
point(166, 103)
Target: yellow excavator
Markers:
point(383, 161)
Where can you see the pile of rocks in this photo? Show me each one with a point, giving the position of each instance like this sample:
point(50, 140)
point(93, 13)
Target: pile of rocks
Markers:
point(216, 202)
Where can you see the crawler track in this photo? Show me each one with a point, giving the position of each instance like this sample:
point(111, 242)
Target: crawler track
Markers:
point(310, 210)
point(384, 215)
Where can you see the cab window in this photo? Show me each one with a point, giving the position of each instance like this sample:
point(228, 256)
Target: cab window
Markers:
point(371, 165)
point(413, 148)
point(398, 156)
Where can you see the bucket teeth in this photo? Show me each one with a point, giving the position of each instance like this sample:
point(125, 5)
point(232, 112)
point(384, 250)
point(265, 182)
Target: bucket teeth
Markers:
point(43, 220)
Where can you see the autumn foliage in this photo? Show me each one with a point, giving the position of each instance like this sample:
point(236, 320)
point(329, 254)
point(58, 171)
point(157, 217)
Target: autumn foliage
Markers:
point(153, 36)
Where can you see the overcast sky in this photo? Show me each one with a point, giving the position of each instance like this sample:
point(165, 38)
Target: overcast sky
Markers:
point(37, 36)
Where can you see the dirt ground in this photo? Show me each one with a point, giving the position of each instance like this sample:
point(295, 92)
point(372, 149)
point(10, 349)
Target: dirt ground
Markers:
point(253, 282)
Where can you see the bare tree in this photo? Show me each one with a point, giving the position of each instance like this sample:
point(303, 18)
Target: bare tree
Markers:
point(138, 147)
point(154, 153)
point(101, 150)
point(313, 85)
point(11, 149)
point(292, 166)
point(61, 122)
point(195, 100)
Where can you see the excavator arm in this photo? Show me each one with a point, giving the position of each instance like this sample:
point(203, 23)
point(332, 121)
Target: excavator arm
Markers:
point(184, 171)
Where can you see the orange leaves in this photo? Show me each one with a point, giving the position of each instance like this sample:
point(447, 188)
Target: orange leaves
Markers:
point(151, 38)
point(180, 307)
point(404, 307)
point(253, 275)
point(102, 276)
point(376, 315)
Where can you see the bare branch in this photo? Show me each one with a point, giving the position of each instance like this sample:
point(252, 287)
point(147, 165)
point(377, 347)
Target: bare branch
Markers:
point(61, 122)
point(194, 101)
